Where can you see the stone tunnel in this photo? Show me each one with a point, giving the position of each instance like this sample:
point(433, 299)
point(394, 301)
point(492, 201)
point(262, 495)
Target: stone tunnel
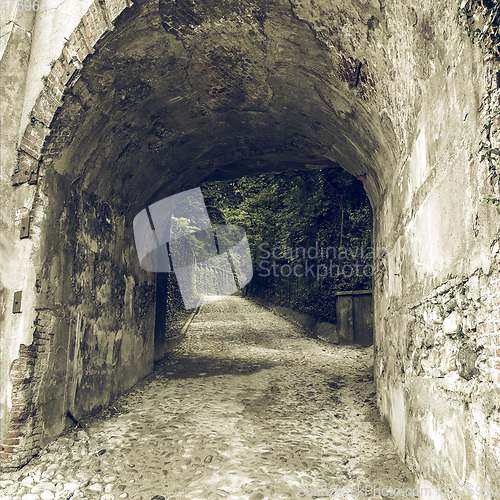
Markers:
point(109, 106)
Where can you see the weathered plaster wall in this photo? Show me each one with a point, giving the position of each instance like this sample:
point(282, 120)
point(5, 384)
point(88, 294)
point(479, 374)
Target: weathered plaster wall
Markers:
point(94, 317)
point(67, 349)
point(436, 288)
point(52, 27)
point(103, 305)
point(29, 42)
point(15, 46)
point(157, 100)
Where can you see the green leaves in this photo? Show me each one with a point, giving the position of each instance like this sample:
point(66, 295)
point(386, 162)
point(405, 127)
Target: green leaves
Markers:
point(491, 156)
point(293, 210)
point(481, 20)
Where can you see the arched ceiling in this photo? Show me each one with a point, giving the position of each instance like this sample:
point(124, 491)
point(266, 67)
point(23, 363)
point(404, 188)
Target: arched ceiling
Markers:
point(183, 92)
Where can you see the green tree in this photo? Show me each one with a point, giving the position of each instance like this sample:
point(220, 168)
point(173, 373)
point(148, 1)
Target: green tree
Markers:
point(299, 210)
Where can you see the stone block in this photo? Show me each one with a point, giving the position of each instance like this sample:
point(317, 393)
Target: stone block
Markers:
point(451, 323)
point(474, 291)
point(448, 354)
point(466, 362)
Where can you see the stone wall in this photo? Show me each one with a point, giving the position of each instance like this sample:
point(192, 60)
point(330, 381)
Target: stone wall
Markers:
point(93, 331)
point(452, 361)
point(145, 101)
point(23, 434)
point(436, 280)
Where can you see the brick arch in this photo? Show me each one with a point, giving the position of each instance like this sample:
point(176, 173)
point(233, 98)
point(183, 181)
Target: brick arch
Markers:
point(97, 21)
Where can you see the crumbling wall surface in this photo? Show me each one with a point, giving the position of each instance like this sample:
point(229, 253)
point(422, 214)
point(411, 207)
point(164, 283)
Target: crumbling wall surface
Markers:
point(15, 46)
point(453, 363)
point(84, 332)
point(436, 287)
point(103, 305)
point(94, 318)
point(150, 99)
point(31, 39)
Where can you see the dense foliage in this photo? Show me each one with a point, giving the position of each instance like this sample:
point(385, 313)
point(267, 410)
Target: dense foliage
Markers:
point(309, 234)
point(481, 20)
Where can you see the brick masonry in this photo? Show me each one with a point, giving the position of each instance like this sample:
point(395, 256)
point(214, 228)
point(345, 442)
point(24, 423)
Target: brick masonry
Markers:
point(23, 437)
point(95, 23)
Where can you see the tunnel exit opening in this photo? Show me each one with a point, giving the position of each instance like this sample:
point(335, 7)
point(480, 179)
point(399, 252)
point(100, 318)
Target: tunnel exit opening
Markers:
point(310, 237)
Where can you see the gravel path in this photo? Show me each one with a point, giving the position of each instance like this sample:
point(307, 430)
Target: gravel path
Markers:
point(246, 407)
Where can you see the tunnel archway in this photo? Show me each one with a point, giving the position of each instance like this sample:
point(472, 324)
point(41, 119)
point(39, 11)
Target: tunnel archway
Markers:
point(160, 98)
point(172, 97)
point(185, 106)
point(213, 101)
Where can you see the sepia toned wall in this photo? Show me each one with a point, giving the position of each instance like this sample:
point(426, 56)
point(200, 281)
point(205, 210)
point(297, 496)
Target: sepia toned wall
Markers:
point(146, 101)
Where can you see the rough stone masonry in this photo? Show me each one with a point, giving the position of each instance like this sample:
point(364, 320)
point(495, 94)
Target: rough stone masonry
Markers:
point(125, 103)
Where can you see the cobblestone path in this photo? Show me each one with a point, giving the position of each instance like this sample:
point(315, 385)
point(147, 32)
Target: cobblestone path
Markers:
point(246, 407)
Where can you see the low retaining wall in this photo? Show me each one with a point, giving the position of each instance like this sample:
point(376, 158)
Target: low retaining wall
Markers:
point(354, 319)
